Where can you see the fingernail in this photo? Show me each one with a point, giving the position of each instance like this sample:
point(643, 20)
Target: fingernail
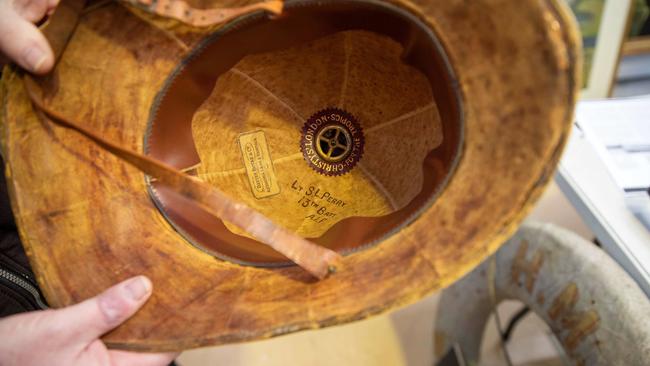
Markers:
point(138, 288)
point(34, 58)
point(111, 306)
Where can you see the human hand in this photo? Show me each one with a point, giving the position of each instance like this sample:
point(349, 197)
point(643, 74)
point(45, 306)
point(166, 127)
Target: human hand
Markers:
point(70, 336)
point(20, 40)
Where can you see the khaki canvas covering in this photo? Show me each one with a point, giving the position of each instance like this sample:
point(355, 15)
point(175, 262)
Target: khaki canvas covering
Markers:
point(88, 220)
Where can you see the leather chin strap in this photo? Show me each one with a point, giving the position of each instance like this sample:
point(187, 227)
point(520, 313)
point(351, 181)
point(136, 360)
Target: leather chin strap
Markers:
point(316, 260)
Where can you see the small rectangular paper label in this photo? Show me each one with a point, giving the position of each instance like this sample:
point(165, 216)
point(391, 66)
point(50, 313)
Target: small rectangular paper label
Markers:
point(259, 166)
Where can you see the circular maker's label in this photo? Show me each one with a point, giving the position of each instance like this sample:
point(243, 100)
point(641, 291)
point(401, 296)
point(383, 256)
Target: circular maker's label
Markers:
point(332, 142)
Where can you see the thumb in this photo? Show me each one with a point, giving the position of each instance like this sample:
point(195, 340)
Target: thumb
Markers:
point(22, 42)
point(90, 319)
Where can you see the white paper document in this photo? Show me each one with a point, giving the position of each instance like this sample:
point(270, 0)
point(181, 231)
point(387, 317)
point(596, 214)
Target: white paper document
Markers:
point(619, 130)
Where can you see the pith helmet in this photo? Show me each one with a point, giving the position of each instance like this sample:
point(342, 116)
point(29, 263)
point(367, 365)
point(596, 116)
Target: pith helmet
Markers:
point(404, 140)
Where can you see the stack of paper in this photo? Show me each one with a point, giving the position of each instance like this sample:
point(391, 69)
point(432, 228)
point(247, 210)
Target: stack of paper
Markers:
point(619, 129)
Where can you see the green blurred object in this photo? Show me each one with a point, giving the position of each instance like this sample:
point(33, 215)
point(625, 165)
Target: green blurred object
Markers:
point(589, 14)
point(639, 17)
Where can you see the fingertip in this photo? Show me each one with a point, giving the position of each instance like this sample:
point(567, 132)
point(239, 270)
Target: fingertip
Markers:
point(139, 288)
point(122, 300)
point(37, 59)
point(98, 315)
point(46, 61)
point(46, 65)
point(22, 42)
